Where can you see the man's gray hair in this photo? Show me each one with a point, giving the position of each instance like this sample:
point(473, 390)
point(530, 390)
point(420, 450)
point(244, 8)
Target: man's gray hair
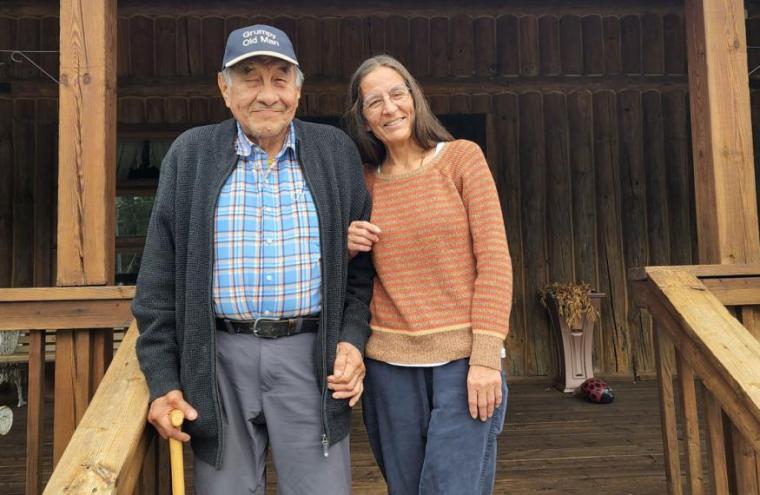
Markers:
point(227, 75)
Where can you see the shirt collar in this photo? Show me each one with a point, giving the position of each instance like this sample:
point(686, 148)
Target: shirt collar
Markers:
point(244, 147)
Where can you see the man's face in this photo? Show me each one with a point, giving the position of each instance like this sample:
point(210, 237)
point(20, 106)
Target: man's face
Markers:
point(263, 97)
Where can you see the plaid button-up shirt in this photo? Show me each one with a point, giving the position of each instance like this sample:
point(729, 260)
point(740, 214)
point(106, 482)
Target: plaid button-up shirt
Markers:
point(266, 238)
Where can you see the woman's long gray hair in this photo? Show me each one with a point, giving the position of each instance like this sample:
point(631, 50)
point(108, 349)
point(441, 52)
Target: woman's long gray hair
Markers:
point(427, 130)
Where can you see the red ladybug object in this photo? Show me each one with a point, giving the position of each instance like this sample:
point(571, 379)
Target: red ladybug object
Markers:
point(596, 390)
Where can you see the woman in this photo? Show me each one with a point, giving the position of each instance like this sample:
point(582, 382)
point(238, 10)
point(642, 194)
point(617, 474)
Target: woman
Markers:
point(435, 395)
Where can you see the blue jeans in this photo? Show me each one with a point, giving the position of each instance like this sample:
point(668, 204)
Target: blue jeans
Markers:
point(421, 431)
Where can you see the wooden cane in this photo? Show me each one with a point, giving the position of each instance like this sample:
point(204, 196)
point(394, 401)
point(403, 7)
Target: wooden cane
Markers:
point(175, 455)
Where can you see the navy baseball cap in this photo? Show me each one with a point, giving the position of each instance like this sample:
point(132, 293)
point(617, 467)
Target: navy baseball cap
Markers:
point(256, 40)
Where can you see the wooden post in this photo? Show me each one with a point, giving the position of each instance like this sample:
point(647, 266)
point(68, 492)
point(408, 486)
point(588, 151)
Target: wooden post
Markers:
point(721, 132)
point(662, 347)
point(727, 228)
point(717, 441)
point(35, 414)
point(86, 193)
point(690, 425)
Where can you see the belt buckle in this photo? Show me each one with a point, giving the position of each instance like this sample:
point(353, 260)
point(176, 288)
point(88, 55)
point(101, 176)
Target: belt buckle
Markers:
point(256, 325)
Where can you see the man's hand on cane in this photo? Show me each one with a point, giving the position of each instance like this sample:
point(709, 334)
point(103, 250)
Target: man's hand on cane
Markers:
point(161, 408)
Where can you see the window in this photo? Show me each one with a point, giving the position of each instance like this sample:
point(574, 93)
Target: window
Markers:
point(138, 164)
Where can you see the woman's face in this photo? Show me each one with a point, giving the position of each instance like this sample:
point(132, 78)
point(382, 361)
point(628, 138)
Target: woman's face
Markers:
point(388, 107)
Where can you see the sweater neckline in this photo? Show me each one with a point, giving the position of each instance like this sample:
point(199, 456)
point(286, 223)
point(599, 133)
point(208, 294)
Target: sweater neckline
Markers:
point(417, 171)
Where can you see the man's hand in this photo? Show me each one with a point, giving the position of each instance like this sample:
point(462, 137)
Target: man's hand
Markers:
point(483, 391)
point(361, 236)
point(160, 408)
point(347, 380)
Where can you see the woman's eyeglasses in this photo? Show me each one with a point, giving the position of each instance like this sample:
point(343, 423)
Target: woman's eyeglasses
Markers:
point(375, 103)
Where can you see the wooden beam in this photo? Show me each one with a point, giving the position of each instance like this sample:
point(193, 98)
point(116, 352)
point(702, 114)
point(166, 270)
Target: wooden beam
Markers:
point(87, 143)
point(64, 315)
point(699, 271)
point(727, 222)
point(86, 192)
point(726, 198)
point(60, 308)
point(736, 291)
point(289, 8)
point(41, 294)
point(204, 86)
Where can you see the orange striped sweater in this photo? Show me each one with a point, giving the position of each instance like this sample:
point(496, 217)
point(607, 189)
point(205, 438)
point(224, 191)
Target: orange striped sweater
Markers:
point(443, 289)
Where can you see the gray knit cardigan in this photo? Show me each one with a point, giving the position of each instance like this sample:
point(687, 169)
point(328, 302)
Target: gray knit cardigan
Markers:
point(173, 304)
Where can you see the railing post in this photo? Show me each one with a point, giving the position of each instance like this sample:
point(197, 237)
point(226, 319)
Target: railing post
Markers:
point(691, 425)
point(73, 368)
point(102, 344)
point(662, 348)
point(747, 460)
point(716, 442)
point(35, 412)
point(744, 460)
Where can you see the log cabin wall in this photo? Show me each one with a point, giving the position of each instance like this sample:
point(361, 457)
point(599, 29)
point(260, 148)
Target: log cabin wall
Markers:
point(584, 108)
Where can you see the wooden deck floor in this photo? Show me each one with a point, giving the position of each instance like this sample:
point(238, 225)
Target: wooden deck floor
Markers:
point(552, 443)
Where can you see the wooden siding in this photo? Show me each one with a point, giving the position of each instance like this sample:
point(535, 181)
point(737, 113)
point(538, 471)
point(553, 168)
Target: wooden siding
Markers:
point(586, 114)
point(28, 171)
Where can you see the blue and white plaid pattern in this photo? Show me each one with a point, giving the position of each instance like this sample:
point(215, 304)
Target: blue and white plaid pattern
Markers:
point(266, 242)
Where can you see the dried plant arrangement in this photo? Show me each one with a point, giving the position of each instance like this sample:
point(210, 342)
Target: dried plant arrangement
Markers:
point(573, 302)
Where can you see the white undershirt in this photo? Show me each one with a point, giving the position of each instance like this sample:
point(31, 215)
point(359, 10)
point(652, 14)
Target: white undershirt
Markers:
point(431, 365)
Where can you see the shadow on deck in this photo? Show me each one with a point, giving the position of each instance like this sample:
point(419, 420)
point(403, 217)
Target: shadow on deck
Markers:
point(552, 443)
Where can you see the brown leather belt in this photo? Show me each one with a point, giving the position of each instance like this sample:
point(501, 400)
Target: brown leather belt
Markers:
point(270, 328)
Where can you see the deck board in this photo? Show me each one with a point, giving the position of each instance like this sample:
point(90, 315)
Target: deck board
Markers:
point(552, 443)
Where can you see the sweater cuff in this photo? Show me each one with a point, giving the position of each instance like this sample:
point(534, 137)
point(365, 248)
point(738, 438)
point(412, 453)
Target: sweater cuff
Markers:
point(486, 350)
point(160, 384)
point(355, 336)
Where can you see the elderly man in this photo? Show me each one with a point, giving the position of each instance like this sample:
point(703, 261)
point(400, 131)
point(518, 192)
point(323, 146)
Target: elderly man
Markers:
point(252, 319)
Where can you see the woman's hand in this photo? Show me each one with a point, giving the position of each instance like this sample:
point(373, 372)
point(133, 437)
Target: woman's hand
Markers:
point(483, 391)
point(361, 236)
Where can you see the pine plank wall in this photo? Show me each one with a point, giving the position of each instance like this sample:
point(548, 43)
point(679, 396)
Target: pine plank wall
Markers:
point(584, 107)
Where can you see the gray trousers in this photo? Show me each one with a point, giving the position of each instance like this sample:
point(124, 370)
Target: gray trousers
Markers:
point(270, 397)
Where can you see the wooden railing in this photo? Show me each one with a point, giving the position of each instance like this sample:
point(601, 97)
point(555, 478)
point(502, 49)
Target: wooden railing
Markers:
point(112, 451)
point(89, 315)
point(707, 326)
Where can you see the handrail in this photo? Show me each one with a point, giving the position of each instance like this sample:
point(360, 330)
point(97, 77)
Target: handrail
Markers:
point(688, 305)
point(60, 308)
point(106, 452)
point(724, 354)
point(83, 319)
point(31, 294)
